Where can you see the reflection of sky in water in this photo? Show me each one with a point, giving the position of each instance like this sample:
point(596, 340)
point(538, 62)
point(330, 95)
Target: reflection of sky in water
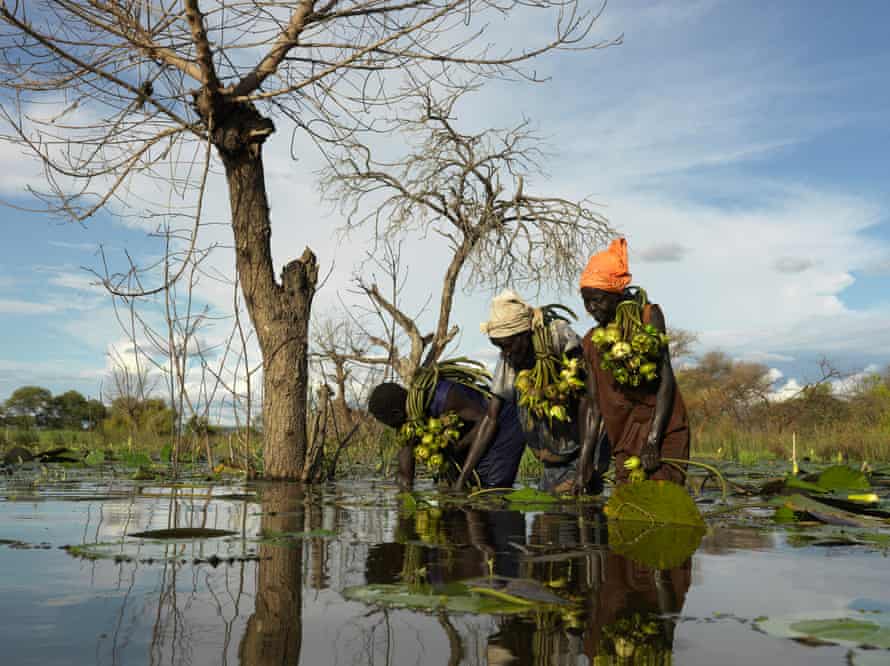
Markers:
point(61, 610)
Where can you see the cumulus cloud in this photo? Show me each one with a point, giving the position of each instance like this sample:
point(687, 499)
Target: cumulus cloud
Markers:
point(788, 390)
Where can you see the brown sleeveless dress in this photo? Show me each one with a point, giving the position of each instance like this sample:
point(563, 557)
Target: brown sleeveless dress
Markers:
point(628, 412)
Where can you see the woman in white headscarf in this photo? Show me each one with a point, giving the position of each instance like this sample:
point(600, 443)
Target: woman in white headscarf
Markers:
point(556, 444)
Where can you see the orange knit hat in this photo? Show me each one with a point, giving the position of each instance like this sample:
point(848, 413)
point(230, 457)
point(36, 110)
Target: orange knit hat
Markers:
point(607, 270)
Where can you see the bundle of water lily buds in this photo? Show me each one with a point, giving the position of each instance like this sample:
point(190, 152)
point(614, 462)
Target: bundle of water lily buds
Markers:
point(431, 436)
point(630, 349)
point(547, 388)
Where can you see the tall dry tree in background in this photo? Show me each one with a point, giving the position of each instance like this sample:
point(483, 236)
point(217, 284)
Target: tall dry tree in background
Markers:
point(468, 189)
point(158, 88)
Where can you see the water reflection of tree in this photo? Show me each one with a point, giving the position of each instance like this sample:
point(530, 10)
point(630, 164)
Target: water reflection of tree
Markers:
point(274, 631)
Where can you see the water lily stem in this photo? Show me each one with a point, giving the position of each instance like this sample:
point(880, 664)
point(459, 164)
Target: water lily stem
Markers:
point(679, 462)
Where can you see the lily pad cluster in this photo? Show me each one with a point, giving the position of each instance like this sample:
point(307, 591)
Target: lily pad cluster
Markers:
point(547, 388)
point(630, 349)
point(431, 439)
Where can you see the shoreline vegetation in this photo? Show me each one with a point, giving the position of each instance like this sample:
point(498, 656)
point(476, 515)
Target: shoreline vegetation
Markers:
point(734, 415)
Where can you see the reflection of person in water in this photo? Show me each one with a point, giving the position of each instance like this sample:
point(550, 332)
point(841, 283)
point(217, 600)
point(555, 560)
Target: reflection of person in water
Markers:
point(460, 544)
point(631, 615)
point(614, 607)
point(625, 602)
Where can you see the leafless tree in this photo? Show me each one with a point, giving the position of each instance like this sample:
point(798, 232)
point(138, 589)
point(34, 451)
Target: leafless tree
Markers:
point(469, 190)
point(681, 343)
point(156, 89)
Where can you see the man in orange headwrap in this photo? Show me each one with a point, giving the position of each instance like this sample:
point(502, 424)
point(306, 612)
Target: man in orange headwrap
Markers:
point(631, 392)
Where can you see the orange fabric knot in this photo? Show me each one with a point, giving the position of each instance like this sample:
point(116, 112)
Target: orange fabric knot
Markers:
point(607, 270)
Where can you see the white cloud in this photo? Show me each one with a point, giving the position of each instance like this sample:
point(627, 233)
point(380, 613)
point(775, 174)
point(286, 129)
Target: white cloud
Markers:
point(764, 357)
point(78, 281)
point(11, 306)
point(788, 390)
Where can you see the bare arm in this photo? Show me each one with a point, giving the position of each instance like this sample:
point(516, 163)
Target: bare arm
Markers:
point(406, 468)
point(589, 421)
point(664, 402)
point(469, 412)
point(484, 436)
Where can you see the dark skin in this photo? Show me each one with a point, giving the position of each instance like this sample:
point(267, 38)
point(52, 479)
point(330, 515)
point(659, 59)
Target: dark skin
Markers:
point(602, 305)
point(466, 410)
point(517, 350)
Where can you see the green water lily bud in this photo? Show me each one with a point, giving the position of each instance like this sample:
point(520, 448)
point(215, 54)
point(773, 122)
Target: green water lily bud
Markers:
point(637, 475)
point(435, 461)
point(558, 412)
point(648, 368)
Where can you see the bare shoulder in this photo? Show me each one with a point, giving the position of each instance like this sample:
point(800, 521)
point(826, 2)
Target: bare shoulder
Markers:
point(655, 316)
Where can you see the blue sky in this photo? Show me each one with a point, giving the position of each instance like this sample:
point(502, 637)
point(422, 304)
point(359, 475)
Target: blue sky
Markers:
point(742, 147)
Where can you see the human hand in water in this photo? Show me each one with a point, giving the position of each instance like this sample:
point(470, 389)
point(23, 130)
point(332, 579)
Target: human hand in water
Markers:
point(650, 456)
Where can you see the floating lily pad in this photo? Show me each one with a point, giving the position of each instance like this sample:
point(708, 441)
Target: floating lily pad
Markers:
point(94, 458)
point(529, 496)
point(826, 513)
point(183, 533)
point(850, 627)
point(529, 499)
point(656, 546)
point(797, 483)
point(457, 598)
point(655, 503)
point(841, 477)
point(845, 630)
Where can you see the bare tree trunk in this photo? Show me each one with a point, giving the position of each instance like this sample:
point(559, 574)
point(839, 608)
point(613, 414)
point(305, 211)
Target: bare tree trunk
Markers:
point(279, 312)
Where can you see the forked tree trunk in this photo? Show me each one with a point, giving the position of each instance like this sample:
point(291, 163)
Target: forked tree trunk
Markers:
point(279, 311)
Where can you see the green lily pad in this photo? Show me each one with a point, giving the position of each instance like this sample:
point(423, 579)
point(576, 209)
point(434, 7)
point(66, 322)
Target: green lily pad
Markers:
point(529, 496)
point(135, 459)
point(655, 503)
point(846, 630)
point(847, 627)
point(784, 514)
point(94, 458)
point(841, 477)
point(457, 598)
point(657, 546)
point(828, 514)
point(529, 499)
point(797, 483)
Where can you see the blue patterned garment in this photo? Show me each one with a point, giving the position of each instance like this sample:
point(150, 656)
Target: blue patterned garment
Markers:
point(498, 466)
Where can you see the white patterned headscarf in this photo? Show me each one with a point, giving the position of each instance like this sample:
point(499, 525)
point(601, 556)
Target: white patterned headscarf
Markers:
point(508, 316)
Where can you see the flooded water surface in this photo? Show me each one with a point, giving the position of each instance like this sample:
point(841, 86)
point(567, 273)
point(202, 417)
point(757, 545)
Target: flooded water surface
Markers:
point(103, 571)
